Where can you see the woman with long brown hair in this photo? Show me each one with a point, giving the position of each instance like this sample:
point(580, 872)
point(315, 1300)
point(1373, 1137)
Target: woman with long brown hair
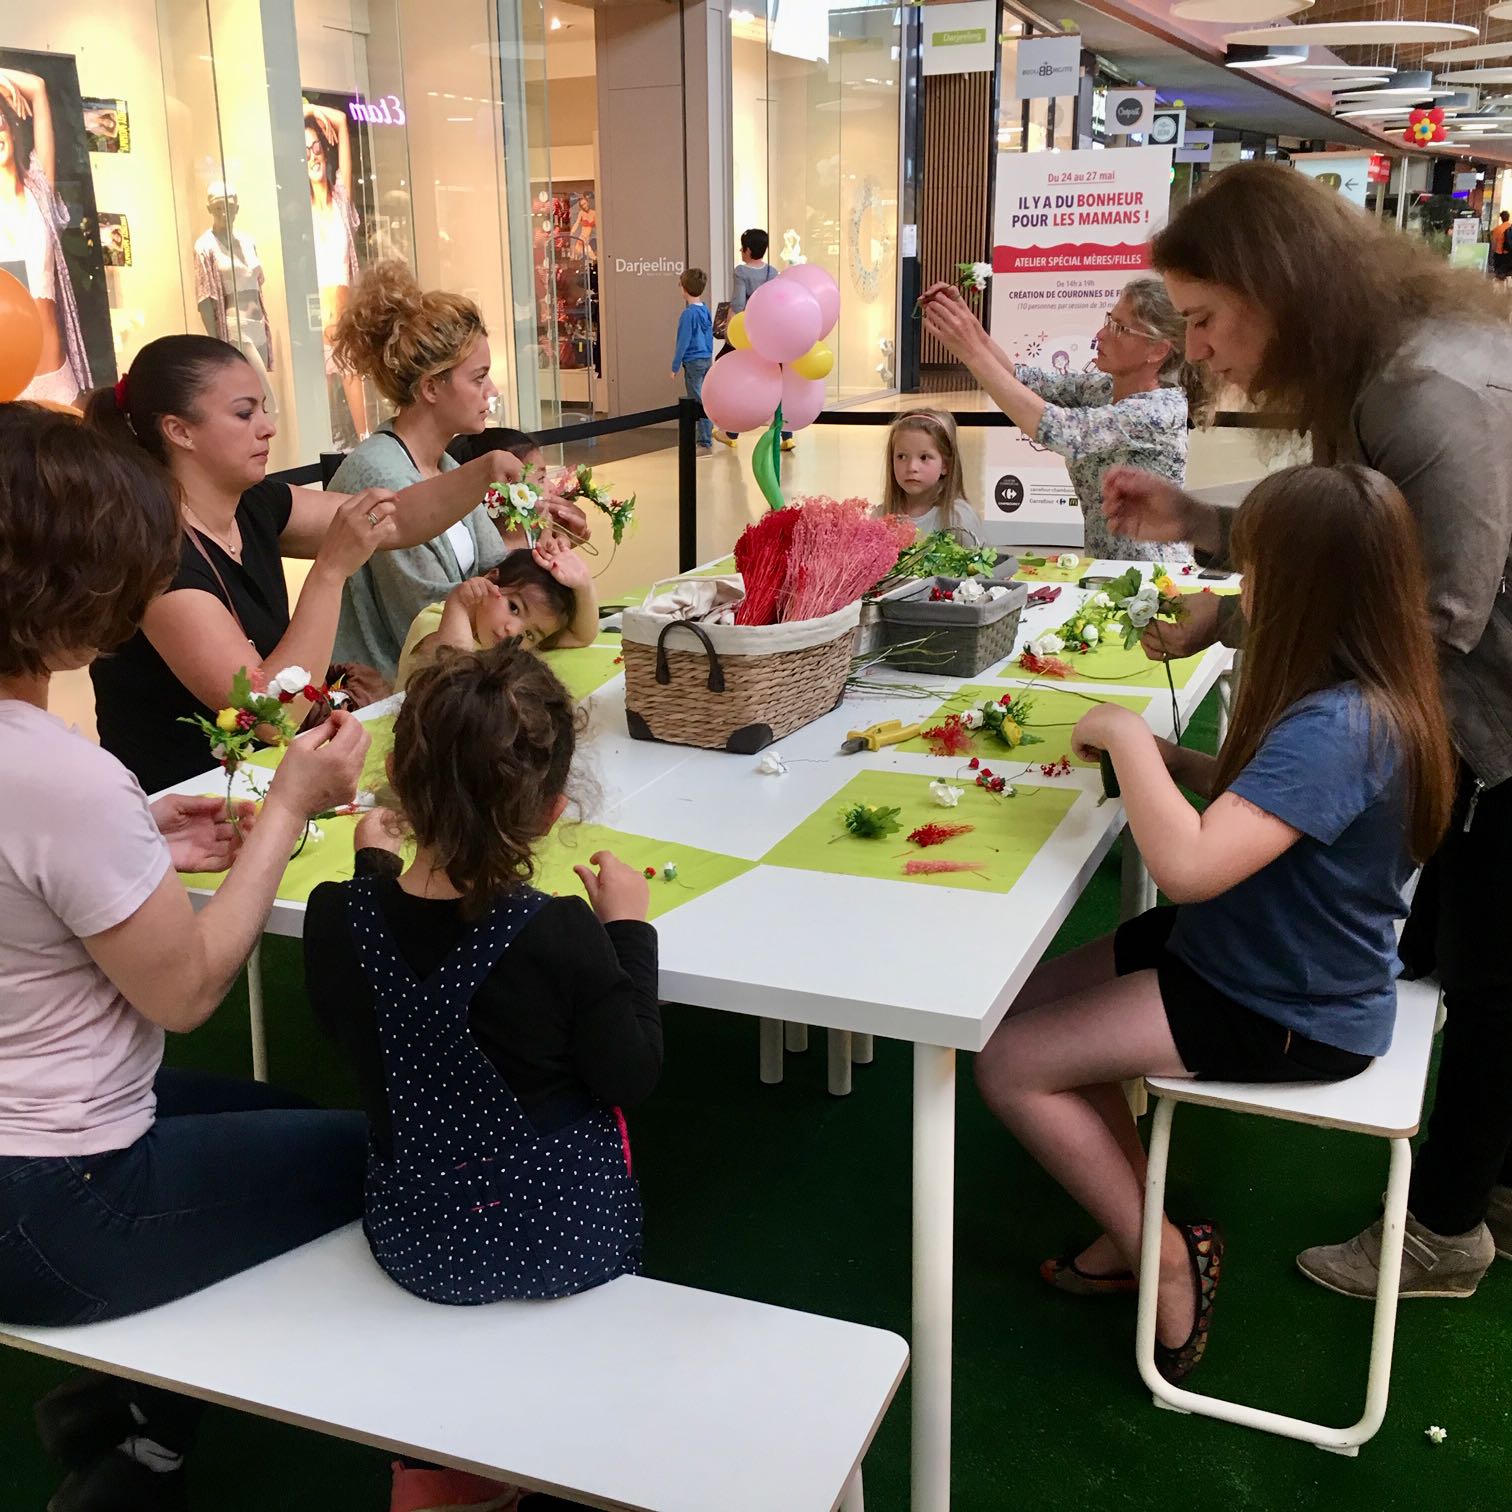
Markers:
point(1382, 354)
point(1278, 960)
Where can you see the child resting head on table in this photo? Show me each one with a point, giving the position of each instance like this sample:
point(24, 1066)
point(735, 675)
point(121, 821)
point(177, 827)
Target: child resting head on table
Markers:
point(545, 596)
point(1278, 962)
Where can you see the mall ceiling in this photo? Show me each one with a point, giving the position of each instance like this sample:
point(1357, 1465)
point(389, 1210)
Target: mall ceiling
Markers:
point(1462, 12)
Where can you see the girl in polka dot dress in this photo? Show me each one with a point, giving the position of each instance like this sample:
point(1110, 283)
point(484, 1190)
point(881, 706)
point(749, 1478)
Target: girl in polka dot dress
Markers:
point(496, 1031)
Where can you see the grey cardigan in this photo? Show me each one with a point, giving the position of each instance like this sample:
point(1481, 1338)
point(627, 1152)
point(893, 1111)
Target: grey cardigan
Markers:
point(380, 601)
point(1437, 421)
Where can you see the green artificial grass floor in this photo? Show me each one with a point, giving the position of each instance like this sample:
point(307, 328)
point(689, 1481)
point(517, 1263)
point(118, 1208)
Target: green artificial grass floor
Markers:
point(793, 1197)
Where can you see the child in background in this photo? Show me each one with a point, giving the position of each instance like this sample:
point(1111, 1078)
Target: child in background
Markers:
point(1279, 960)
point(495, 1031)
point(545, 596)
point(923, 480)
point(565, 512)
point(751, 272)
point(695, 348)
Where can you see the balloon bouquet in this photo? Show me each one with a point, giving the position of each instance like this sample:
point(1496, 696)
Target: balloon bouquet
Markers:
point(776, 372)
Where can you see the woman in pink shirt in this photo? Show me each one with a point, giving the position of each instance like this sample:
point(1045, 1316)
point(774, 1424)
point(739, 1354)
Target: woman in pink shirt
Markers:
point(124, 1185)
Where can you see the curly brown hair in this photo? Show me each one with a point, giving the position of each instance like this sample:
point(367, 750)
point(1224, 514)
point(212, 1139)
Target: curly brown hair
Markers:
point(89, 536)
point(482, 747)
point(398, 334)
point(1343, 293)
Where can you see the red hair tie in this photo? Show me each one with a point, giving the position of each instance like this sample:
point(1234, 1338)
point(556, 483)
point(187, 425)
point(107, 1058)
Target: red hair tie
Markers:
point(122, 394)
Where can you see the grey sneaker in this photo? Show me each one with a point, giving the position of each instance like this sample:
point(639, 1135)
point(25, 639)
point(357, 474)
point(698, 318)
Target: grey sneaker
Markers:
point(1433, 1265)
point(1499, 1220)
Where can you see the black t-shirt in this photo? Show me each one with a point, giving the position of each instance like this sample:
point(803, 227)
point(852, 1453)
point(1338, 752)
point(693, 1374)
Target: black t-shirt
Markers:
point(569, 1017)
point(138, 701)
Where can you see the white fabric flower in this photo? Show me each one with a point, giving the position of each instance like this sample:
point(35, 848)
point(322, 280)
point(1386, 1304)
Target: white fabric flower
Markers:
point(365, 800)
point(980, 273)
point(290, 680)
point(1101, 601)
point(970, 592)
point(772, 765)
point(971, 719)
point(1048, 644)
point(1068, 560)
point(1090, 634)
point(522, 497)
point(945, 794)
point(1437, 1434)
point(1140, 612)
point(218, 752)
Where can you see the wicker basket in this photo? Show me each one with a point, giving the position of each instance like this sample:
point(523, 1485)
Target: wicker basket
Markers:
point(732, 687)
point(871, 633)
point(960, 640)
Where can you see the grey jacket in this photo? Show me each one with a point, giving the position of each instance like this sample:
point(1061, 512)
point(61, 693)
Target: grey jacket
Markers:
point(381, 600)
point(1437, 421)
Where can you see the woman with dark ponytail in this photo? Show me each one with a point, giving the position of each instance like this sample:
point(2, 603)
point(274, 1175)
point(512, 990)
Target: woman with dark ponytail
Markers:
point(195, 406)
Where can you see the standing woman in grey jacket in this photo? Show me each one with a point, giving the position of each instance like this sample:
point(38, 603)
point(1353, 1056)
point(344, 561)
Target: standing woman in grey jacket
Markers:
point(1383, 354)
point(428, 354)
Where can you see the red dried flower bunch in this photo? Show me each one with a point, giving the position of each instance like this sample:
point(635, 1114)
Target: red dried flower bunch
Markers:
point(948, 738)
point(937, 834)
point(1045, 666)
point(1061, 768)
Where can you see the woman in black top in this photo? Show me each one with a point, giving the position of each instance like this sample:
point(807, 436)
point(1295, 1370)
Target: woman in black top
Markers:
point(195, 405)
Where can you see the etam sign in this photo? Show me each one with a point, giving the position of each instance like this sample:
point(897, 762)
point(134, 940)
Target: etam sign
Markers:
point(387, 111)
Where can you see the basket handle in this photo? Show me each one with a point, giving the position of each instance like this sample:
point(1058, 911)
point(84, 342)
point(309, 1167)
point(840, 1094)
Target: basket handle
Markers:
point(664, 672)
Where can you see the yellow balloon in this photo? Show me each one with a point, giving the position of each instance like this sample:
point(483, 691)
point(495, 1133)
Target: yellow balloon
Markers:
point(735, 333)
point(817, 362)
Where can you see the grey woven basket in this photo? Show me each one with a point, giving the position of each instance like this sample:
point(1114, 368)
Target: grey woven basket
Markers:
point(871, 633)
point(958, 640)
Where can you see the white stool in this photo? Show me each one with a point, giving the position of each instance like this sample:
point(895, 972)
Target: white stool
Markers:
point(1386, 1099)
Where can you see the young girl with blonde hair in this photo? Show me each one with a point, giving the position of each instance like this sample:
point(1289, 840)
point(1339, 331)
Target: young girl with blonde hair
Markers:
point(923, 477)
point(1278, 960)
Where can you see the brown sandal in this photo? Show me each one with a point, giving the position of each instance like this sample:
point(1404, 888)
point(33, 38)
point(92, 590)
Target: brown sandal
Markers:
point(1065, 1275)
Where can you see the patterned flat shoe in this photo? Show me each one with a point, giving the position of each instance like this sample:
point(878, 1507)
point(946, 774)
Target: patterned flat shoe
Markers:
point(1065, 1275)
point(1204, 1243)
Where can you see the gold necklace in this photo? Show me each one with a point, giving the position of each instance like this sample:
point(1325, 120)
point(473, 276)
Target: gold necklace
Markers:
point(232, 551)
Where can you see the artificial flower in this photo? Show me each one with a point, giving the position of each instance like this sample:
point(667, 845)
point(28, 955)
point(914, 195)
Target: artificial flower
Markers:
point(1048, 644)
point(1139, 611)
point(972, 718)
point(291, 680)
point(226, 720)
point(669, 871)
point(945, 794)
point(1437, 1434)
point(869, 821)
point(1101, 601)
point(1091, 634)
point(772, 765)
point(522, 496)
point(1068, 560)
point(970, 592)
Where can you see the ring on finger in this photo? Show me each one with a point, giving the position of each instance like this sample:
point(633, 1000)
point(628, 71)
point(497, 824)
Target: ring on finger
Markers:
point(372, 516)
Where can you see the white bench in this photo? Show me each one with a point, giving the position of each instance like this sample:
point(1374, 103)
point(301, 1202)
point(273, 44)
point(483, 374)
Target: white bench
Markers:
point(636, 1394)
point(1386, 1099)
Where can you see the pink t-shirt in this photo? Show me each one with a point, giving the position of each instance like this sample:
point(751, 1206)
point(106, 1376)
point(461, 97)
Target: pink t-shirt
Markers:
point(79, 853)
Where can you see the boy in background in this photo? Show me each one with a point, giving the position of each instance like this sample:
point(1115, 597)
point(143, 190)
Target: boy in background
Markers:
point(752, 271)
point(695, 348)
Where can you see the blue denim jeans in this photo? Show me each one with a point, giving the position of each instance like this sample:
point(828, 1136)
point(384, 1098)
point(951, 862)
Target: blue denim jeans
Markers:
point(231, 1174)
point(695, 370)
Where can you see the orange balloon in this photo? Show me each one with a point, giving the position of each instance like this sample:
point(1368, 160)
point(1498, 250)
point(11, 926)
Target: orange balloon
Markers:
point(20, 337)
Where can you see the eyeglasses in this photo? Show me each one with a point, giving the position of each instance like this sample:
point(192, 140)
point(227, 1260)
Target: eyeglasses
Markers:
point(1118, 328)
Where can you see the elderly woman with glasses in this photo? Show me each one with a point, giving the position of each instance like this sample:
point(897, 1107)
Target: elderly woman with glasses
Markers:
point(1133, 406)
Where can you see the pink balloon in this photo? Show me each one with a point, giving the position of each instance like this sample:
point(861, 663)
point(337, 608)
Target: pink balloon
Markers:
point(802, 399)
point(742, 391)
point(782, 319)
point(825, 291)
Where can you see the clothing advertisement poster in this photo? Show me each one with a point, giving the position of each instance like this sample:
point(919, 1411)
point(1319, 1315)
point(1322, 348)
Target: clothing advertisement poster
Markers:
point(107, 124)
point(1070, 229)
point(49, 225)
point(115, 240)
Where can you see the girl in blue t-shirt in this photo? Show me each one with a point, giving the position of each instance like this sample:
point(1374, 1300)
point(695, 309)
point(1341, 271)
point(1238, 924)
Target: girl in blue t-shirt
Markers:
point(1278, 960)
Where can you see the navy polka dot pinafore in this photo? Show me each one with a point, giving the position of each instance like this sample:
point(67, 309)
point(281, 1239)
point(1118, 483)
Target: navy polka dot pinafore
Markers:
point(473, 1205)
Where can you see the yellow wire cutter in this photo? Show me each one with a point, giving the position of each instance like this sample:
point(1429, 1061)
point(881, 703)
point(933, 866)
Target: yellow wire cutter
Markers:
point(874, 737)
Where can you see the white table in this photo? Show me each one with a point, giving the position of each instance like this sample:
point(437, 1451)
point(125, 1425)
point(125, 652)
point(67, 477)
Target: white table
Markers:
point(789, 968)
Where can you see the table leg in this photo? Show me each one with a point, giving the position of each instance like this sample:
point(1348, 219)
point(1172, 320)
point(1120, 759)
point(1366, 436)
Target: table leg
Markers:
point(933, 1258)
point(771, 1051)
point(797, 1038)
point(839, 1062)
point(255, 1014)
point(1138, 887)
point(861, 1049)
point(1225, 705)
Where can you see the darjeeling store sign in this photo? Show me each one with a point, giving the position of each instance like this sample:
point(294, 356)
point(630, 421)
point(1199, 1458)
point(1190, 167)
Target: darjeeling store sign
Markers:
point(1070, 229)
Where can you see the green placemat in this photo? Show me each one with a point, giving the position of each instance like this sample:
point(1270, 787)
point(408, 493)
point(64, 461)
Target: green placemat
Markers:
point(1190, 587)
point(1050, 573)
point(635, 596)
point(1007, 833)
point(585, 669)
point(329, 859)
point(1053, 717)
point(1110, 663)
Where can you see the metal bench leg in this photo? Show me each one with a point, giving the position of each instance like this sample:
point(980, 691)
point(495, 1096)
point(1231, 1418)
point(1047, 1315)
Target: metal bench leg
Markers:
point(771, 1051)
point(797, 1038)
point(861, 1049)
point(255, 1014)
point(853, 1500)
point(839, 1062)
point(1383, 1333)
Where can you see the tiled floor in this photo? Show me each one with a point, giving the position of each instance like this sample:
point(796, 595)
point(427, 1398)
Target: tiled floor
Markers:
point(840, 460)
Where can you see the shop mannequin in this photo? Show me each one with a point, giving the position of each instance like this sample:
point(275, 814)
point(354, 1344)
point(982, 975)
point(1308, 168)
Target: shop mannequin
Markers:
point(229, 279)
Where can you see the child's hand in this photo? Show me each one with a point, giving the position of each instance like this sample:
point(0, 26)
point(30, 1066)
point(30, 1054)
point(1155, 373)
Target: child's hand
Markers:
point(562, 562)
point(470, 593)
point(617, 891)
point(1099, 728)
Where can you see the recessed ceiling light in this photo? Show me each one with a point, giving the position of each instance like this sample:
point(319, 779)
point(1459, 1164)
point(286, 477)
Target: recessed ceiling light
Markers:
point(1353, 33)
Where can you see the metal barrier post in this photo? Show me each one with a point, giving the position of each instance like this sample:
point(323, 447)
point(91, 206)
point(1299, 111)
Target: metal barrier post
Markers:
point(687, 485)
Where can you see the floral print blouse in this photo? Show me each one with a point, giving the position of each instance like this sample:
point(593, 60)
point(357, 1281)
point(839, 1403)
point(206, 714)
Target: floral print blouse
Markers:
point(1083, 424)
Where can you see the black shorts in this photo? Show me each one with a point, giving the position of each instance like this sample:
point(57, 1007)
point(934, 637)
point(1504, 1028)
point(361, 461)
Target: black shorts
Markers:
point(1217, 1038)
